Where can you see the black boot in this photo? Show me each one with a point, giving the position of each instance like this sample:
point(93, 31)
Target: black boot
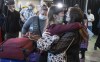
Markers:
point(95, 47)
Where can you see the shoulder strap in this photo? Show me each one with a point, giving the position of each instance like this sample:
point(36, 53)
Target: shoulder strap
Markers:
point(69, 45)
point(39, 27)
point(68, 48)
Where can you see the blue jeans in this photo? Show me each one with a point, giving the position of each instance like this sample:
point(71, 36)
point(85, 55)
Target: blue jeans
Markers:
point(90, 28)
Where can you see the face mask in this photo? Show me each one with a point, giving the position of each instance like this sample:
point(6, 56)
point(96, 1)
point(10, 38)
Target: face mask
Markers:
point(30, 8)
point(88, 12)
point(68, 18)
point(42, 12)
point(42, 17)
point(59, 19)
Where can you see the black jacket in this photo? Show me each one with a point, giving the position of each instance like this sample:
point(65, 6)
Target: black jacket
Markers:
point(1, 20)
point(63, 43)
point(12, 22)
point(98, 26)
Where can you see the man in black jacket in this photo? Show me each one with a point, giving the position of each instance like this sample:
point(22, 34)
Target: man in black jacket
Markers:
point(97, 43)
point(12, 26)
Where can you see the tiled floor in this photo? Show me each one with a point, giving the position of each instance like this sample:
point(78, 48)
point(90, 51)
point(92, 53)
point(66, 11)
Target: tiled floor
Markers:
point(92, 55)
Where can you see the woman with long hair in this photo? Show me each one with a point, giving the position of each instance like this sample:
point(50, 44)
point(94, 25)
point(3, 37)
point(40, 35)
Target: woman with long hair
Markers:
point(65, 44)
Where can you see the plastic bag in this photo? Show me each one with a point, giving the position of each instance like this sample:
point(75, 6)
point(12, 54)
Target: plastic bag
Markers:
point(90, 33)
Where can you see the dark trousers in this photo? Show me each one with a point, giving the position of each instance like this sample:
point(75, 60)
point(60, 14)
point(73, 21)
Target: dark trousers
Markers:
point(97, 44)
point(82, 54)
point(11, 35)
point(43, 57)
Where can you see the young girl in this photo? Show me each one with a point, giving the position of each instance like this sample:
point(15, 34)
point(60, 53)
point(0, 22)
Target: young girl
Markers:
point(84, 43)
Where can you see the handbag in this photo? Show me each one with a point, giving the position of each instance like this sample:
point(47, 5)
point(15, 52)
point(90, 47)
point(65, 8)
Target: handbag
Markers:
point(90, 33)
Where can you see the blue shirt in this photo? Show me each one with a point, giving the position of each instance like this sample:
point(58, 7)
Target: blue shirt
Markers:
point(32, 25)
point(26, 13)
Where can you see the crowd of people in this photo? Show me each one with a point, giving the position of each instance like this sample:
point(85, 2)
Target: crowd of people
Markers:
point(59, 33)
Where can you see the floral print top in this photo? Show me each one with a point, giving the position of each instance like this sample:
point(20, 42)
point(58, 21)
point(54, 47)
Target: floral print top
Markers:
point(44, 44)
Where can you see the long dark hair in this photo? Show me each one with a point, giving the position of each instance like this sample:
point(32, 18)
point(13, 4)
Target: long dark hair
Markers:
point(76, 14)
point(53, 11)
